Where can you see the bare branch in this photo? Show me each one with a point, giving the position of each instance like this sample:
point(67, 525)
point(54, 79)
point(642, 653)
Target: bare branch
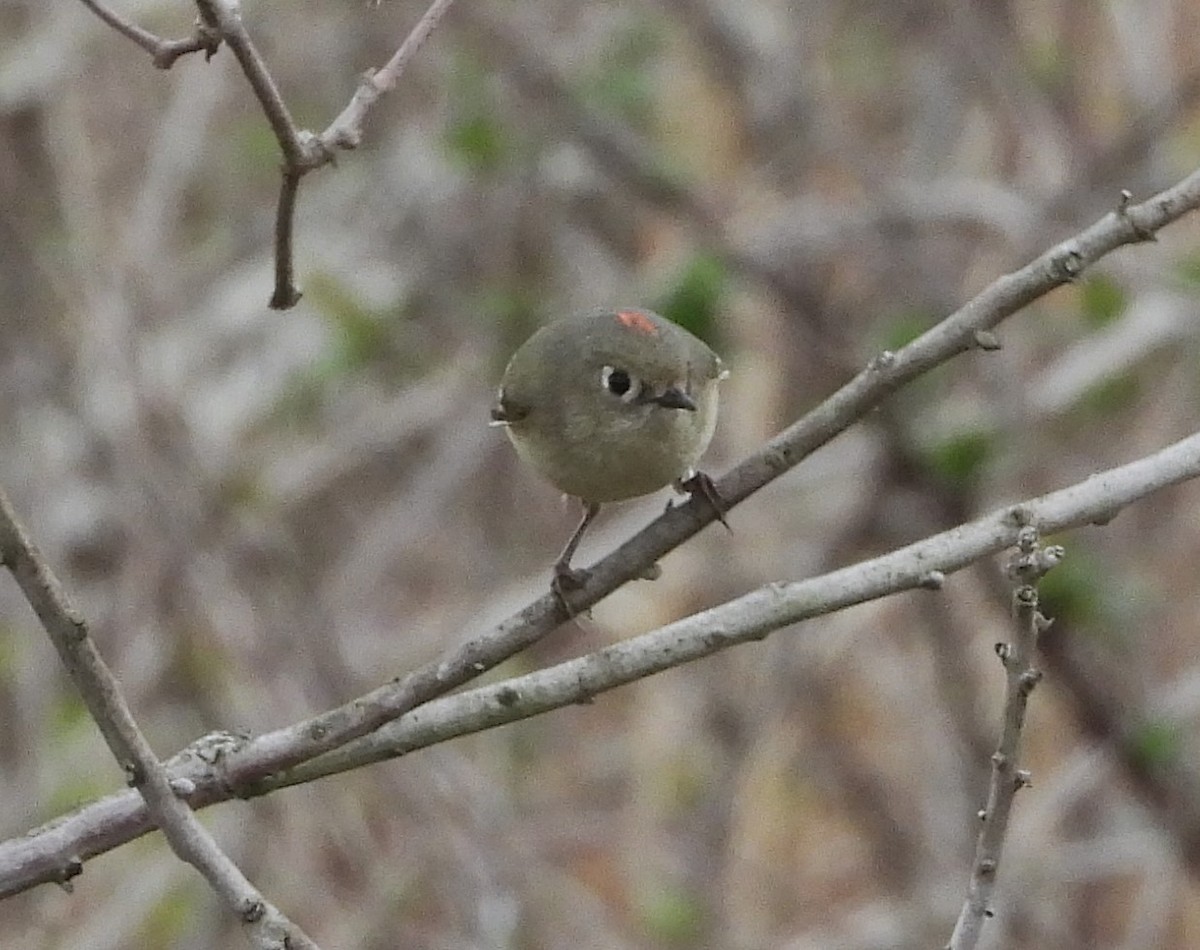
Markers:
point(302, 151)
point(346, 130)
point(956, 334)
point(226, 16)
point(162, 52)
point(1021, 676)
point(960, 332)
point(755, 615)
point(286, 294)
point(188, 838)
point(41, 855)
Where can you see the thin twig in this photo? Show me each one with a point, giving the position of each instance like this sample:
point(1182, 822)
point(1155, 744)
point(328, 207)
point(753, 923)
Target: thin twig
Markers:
point(41, 855)
point(303, 151)
point(286, 293)
point(226, 16)
point(188, 838)
point(346, 130)
point(162, 52)
point(1021, 676)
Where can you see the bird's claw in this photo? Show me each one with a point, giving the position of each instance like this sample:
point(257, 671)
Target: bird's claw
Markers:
point(565, 580)
point(701, 484)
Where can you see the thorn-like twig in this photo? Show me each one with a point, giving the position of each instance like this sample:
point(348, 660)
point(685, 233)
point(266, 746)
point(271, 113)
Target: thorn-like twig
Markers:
point(1026, 568)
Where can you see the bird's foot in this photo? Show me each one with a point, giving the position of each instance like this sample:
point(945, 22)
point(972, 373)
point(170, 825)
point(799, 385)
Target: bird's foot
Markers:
point(564, 581)
point(701, 484)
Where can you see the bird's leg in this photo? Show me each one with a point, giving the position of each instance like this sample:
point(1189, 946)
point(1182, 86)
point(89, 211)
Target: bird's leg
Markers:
point(697, 483)
point(565, 576)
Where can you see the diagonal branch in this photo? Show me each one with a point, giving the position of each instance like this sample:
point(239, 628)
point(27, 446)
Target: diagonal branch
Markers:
point(39, 856)
point(965, 330)
point(346, 130)
point(923, 564)
point(188, 838)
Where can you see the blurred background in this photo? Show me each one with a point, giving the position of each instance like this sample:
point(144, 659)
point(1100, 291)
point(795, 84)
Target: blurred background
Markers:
point(265, 514)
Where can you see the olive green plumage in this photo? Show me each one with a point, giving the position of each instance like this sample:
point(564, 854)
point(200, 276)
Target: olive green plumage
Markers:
point(610, 405)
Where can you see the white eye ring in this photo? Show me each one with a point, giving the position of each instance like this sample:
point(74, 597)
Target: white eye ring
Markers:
point(619, 383)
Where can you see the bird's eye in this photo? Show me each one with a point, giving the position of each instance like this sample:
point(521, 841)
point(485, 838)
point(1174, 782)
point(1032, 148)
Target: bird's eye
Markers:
point(619, 383)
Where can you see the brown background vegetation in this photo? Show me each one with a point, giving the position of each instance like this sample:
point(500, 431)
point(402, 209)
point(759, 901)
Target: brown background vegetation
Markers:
point(264, 514)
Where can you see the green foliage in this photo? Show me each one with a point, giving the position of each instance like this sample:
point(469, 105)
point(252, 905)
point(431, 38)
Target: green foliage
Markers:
point(623, 83)
point(1112, 395)
point(475, 138)
point(1049, 68)
point(1102, 300)
point(1156, 743)
point(1076, 592)
point(960, 458)
point(515, 311)
point(864, 58)
point(68, 716)
point(362, 339)
point(360, 334)
point(255, 147)
point(167, 922)
point(9, 657)
point(694, 299)
point(1189, 269)
point(672, 915)
point(478, 141)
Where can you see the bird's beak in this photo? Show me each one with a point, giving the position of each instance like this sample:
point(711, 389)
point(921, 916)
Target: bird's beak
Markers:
point(675, 398)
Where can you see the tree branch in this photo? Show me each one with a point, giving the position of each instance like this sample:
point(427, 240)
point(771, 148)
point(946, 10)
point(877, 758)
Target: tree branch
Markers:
point(1021, 676)
point(753, 616)
point(302, 150)
point(265, 925)
point(162, 52)
point(967, 329)
point(41, 855)
point(346, 130)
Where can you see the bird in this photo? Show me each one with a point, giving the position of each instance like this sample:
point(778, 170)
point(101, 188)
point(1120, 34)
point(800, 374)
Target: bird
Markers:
point(609, 405)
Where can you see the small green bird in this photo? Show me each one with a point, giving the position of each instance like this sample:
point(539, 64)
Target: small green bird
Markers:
point(610, 405)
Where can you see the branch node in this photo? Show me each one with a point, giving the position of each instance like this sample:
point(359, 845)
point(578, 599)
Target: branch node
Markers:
point(1140, 231)
point(1027, 539)
point(71, 868)
point(134, 776)
point(1020, 515)
point(885, 360)
point(508, 697)
point(1069, 265)
point(987, 340)
point(1022, 778)
point(252, 911)
point(932, 580)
